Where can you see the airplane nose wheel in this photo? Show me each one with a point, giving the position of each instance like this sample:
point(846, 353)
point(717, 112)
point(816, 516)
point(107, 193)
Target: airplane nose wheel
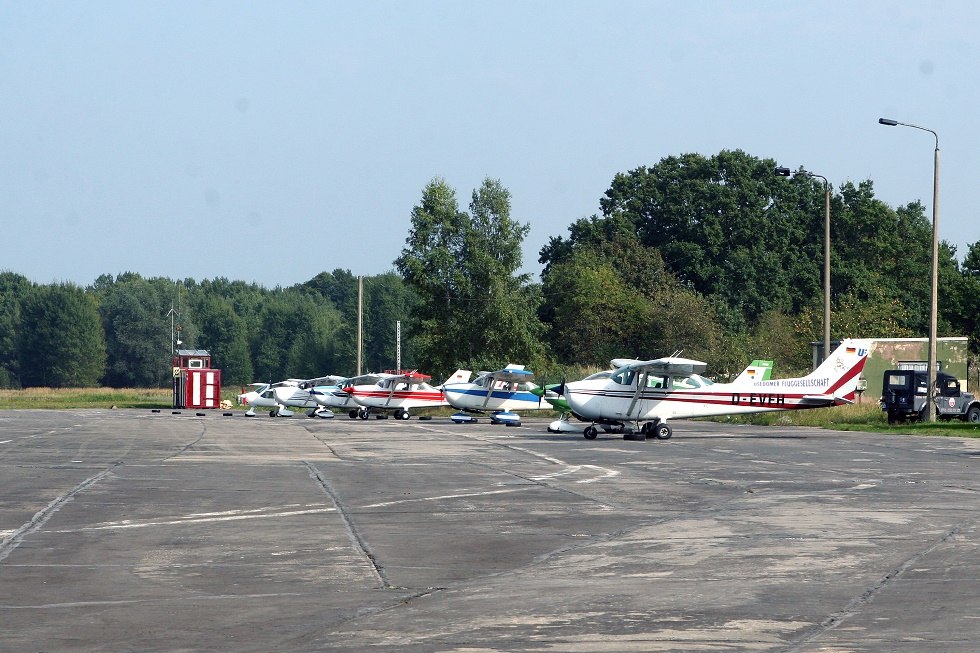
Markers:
point(352, 414)
point(363, 414)
point(590, 432)
point(662, 431)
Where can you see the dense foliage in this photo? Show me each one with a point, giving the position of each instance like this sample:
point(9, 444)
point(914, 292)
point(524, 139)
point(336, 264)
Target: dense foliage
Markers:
point(713, 256)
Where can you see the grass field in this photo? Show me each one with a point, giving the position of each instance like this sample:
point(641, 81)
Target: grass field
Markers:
point(866, 416)
point(92, 397)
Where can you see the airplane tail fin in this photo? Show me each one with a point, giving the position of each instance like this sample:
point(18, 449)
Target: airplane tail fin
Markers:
point(758, 370)
point(459, 376)
point(837, 377)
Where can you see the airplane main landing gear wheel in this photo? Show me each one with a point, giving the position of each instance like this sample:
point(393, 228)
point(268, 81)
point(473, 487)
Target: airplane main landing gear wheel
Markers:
point(662, 431)
point(590, 432)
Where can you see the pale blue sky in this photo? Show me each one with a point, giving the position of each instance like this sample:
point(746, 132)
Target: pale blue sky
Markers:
point(271, 141)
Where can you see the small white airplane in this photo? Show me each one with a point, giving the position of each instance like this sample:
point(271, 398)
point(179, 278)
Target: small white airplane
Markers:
point(397, 393)
point(279, 398)
point(757, 370)
point(651, 392)
point(499, 393)
point(333, 396)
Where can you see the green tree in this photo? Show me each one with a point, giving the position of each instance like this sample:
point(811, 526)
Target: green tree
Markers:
point(133, 312)
point(473, 308)
point(604, 308)
point(62, 343)
point(13, 289)
point(388, 300)
point(223, 334)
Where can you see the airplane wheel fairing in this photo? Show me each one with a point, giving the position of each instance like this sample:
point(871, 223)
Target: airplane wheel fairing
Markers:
point(590, 432)
point(663, 432)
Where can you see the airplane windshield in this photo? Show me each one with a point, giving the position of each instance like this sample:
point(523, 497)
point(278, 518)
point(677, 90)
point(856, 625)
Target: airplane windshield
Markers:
point(599, 375)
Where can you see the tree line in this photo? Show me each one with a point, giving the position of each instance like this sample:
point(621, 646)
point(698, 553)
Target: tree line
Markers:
point(715, 256)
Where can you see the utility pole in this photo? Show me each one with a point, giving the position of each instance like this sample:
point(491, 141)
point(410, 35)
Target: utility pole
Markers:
point(360, 321)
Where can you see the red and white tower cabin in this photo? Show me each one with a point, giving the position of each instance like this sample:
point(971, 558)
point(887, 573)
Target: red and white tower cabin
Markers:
point(196, 383)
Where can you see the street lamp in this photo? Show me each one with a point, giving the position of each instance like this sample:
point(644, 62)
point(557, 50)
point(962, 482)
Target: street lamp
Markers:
point(785, 172)
point(933, 303)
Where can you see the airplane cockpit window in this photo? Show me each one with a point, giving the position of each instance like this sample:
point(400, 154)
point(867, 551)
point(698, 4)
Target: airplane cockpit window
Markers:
point(688, 382)
point(655, 381)
point(624, 377)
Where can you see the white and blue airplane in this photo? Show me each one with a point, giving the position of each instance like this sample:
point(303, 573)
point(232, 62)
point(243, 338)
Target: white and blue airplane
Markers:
point(499, 393)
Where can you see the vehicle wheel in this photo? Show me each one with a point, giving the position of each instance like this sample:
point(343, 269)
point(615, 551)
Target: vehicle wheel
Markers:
point(272, 413)
point(663, 431)
point(404, 415)
point(363, 414)
point(973, 415)
point(590, 432)
point(352, 414)
point(646, 428)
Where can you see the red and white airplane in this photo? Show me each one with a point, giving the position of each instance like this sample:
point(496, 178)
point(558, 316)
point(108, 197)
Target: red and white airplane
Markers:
point(652, 392)
point(398, 393)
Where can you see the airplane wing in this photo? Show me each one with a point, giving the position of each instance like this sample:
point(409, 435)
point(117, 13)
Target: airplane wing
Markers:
point(512, 373)
point(620, 363)
point(330, 379)
point(278, 384)
point(366, 379)
point(671, 365)
point(411, 377)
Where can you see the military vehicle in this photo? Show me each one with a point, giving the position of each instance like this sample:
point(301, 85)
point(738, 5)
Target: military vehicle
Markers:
point(905, 393)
